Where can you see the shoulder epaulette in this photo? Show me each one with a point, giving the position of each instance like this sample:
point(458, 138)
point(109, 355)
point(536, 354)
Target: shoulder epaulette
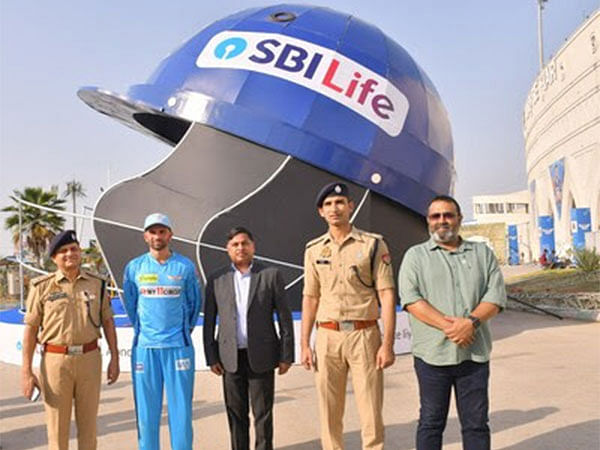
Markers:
point(95, 275)
point(315, 241)
point(38, 280)
point(373, 235)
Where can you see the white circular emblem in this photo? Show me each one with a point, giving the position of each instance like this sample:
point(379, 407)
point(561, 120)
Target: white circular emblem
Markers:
point(337, 189)
point(376, 178)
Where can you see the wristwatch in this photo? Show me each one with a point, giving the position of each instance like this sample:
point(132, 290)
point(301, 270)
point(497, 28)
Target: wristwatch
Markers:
point(475, 321)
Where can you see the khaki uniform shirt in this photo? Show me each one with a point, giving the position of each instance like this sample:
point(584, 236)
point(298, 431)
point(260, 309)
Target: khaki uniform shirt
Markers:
point(60, 308)
point(330, 274)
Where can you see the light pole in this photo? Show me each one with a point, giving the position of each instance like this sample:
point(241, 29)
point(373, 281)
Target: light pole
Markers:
point(80, 234)
point(21, 287)
point(540, 37)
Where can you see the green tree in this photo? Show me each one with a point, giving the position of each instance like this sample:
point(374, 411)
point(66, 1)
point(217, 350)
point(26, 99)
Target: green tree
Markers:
point(92, 258)
point(75, 190)
point(587, 260)
point(38, 226)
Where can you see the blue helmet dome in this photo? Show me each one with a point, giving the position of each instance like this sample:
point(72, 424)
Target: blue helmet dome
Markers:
point(322, 86)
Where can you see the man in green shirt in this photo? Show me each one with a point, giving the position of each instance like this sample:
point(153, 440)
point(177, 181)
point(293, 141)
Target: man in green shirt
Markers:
point(451, 288)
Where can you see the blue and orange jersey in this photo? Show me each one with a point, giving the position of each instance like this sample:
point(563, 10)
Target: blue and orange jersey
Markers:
point(161, 300)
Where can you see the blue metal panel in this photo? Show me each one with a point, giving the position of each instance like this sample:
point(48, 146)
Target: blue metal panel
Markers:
point(272, 96)
point(310, 25)
point(366, 45)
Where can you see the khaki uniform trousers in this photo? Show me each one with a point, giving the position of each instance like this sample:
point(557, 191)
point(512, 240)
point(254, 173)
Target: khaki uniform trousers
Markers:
point(68, 377)
point(336, 353)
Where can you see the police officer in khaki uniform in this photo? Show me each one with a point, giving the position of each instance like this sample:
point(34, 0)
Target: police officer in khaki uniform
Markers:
point(64, 313)
point(346, 271)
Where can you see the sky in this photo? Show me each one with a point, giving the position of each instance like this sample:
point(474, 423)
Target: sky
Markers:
point(482, 56)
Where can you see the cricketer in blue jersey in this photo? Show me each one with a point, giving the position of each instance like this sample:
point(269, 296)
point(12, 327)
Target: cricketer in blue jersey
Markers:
point(162, 300)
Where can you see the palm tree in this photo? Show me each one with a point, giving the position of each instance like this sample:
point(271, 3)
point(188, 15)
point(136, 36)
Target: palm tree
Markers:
point(93, 259)
point(74, 189)
point(38, 226)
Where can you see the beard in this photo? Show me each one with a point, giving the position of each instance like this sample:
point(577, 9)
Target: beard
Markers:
point(444, 235)
point(158, 246)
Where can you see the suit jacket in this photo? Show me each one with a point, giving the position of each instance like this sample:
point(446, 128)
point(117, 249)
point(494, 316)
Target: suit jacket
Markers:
point(266, 295)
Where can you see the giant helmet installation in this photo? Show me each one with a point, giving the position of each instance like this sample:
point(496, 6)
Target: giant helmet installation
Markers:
point(264, 107)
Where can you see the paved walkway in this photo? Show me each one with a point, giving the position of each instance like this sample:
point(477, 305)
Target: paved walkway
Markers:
point(545, 396)
point(522, 269)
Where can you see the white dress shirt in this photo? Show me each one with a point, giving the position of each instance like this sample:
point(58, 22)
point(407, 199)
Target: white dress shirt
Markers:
point(241, 282)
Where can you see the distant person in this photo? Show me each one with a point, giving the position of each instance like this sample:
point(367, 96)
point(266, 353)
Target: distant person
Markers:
point(347, 276)
point(451, 288)
point(243, 297)
point(162, 299)
point(556, 262)
point(544, 259)
point(65, 311)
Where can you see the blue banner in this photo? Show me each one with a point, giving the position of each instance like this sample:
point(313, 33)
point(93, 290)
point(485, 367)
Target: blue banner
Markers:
point(513, 245)
point(557, 175)
point(546, 228)
point(581, 223)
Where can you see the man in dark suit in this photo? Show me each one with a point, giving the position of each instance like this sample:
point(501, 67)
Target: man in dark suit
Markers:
point(247, 350)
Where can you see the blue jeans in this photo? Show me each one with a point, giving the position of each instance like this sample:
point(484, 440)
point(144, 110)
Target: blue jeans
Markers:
point(470, 382)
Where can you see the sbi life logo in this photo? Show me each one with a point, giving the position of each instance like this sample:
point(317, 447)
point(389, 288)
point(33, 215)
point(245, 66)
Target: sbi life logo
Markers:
point(314, 67)
point(230, 48)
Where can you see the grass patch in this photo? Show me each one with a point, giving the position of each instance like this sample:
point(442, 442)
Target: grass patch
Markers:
point(565, 281)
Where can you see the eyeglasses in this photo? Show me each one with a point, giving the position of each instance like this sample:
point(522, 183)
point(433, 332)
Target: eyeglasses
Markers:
point(445, 215)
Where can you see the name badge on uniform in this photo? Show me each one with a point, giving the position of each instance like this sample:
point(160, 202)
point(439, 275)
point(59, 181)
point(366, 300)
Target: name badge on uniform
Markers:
point(323, 261)
point(56, 296)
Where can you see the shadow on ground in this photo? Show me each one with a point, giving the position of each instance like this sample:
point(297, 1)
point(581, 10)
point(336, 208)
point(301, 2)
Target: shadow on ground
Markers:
point(107, 423)
point(583, 435)
point(402, 436)
point(510, 323)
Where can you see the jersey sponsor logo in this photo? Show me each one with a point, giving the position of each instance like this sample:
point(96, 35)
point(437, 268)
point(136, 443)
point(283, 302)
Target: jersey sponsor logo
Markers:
point(183, 364)
point(317, 68)
point(139, 367)
point(160, 291)
point(174, 277)
point(148, 278)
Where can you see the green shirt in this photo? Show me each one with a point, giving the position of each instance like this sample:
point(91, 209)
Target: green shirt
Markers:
point(453, 282)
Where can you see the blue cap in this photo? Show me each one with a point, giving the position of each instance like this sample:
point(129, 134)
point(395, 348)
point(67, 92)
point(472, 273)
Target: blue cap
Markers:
point(157, 219)
point(329, 190)
point(63, 238)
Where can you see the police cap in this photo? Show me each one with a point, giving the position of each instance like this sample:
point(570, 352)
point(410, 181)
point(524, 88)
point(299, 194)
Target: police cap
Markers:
point(63, 238)
point(330, 189)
